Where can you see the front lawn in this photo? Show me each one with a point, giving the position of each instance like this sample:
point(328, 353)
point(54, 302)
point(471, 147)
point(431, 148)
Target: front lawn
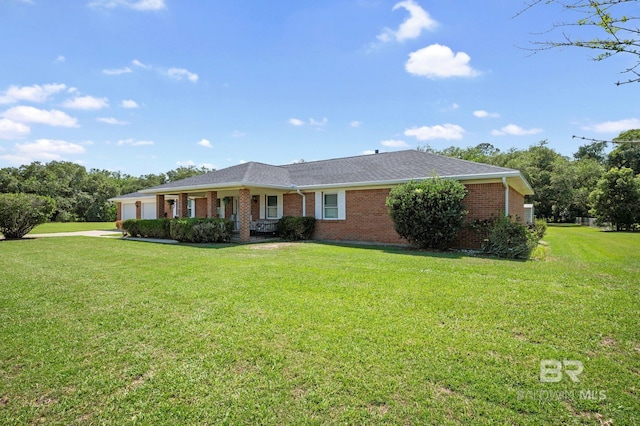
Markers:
point(98, 331)
point(54, 227)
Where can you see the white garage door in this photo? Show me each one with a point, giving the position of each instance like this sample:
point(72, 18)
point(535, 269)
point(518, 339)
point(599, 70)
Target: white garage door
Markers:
point(128, 211)
point(149, 210)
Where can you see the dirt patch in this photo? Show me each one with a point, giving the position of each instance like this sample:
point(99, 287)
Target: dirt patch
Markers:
point(271, 246)
point(608, 341)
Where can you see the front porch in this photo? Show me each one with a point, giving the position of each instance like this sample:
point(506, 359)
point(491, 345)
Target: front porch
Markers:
point(255, 212)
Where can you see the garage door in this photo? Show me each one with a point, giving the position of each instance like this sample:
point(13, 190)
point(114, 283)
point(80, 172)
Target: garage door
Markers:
point(149, 210)
point(128, 211)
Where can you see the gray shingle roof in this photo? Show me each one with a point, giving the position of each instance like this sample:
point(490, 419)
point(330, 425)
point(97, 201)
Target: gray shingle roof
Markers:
point(384, 167)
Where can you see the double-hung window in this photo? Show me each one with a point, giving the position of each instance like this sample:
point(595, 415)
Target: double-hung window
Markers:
point(272, 206)
point(330, 204)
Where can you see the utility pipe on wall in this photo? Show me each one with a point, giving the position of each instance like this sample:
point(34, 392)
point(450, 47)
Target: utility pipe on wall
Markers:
point(506, 196)
point(304, 202)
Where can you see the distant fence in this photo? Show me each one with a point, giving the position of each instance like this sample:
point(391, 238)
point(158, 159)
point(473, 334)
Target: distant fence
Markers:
point(587, 221)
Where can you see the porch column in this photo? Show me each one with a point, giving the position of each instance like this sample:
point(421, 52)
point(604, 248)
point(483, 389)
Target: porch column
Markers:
point(212, 203)
point(138, 209)
point(160, 211)
point(118, 210)
point(244, 215)
point(183, 205)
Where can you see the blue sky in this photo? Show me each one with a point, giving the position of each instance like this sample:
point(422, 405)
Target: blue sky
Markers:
point(143, 86)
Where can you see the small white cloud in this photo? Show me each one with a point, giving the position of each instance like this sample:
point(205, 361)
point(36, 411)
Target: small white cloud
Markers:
point(42, 150)
point(437, 61)
point(296, 122)
point(418, 20)
point(134, 142)
point(242, 162)
point(129, 104)
point(444, 131)
point(485, 114)
point(313, 122)
point(205, 143)
point(86, 103)
point(355, 124)
point(117, 71)
point(139, 64)
point(187, 163)
point(238, 134)
point(142, 5)
point(111, 120)
point(12, 130)
point(614, 126)
point(368, 151)
point(394, 143)
point(60, 59)
point(181, 73)
point(35, 93)
point(515, 130)
point(28, 114)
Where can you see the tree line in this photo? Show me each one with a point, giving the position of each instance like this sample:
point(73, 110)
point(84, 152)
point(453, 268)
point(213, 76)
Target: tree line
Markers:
point(564, 187)
point(82, 195)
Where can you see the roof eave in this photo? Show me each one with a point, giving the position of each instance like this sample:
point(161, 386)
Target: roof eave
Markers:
point(208, 186)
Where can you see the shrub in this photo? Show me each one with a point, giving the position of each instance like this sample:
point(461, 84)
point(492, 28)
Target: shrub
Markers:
point(509, 239)
point(147, 228)
point(539, 227)
point(214, 230)
point(294, 228)
point(20, 213)
point(429, 213)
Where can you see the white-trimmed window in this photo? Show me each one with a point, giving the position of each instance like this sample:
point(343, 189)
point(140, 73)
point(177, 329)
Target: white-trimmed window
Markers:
point(272, 206)
point(330, 205)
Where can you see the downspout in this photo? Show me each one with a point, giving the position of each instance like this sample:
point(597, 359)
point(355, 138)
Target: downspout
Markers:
point(506, 196)
point(304, 202)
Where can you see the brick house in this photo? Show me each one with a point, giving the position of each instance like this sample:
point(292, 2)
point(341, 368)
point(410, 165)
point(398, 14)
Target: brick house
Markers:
point(346, 195)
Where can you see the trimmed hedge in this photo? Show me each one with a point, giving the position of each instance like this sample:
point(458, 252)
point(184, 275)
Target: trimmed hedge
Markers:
point(294, 228)
point(213, 230)
point(147, 228)
point(509, 239)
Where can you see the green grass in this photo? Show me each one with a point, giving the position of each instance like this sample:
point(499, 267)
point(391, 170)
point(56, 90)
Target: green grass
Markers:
point(103, 331)
point(53, 227)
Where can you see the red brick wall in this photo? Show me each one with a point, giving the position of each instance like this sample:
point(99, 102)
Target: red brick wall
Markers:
point(516, 205)
point(292, 204)
point(201, 207)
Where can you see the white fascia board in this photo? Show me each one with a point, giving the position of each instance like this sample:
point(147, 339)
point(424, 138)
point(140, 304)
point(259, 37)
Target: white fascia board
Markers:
point(400, 181)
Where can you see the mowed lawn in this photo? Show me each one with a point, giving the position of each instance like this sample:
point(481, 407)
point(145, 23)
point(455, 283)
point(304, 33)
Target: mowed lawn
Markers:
point(105, 331)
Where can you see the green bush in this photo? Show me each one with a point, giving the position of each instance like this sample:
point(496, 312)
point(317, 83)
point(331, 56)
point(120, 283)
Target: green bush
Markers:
point(20, 213)
point(147, 228)
point(429, 213)
point(214, 230)
point(509, 239)
point(539, 227)
point(294, 228)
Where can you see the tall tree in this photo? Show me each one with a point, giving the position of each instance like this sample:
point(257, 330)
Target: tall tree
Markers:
point(616, 20)
point(616, 199)
point(626, 154)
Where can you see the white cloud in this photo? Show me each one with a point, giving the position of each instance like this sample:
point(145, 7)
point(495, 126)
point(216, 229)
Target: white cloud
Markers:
point(12, 130)
point(117, 71)
point(139, 64)
point(142, 5)
point(394, 143)
point(238, 134)
point(437, 61)
point(515, 130)
point(444, 131)
point(191, 163)
point(312, 122)
point(86, 103)
point(133, 142)
point(485, 114)
point(368, 151)
point(111, 120)
point(42, 150)
point(181, 73)
point(129, 104)
point(614, 126)
point(205, 143)
point(60, 59)
point(35, 93)
point(355, 124)
point(28, 114)
point(418, 20)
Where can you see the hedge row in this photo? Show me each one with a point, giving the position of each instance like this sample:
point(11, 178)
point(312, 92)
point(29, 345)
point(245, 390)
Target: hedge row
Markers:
point(214, 230)
point(294, 228)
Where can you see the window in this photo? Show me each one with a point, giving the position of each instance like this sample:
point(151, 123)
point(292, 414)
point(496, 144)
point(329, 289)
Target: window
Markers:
point(272, 206)
point(219, 208)
point(330, 206)
point(190, 208)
